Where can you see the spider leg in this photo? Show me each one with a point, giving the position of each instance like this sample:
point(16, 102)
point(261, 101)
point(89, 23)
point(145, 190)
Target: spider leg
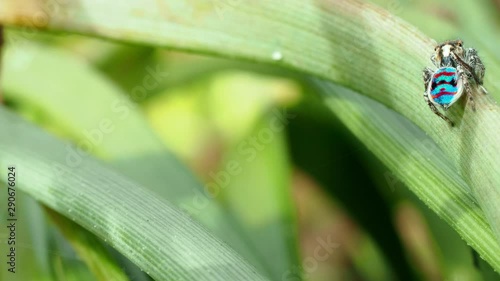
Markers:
point(466, 78)
point(427, 74)
point(483, 89)
point(473, 64)
point(472, 58)
point(434, 60)
point(436, 111)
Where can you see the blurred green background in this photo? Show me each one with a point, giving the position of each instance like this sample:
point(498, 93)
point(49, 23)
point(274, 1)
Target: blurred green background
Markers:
point(305, 199)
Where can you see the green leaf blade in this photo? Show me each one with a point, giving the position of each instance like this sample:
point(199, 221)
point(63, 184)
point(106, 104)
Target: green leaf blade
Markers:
point(152, 233)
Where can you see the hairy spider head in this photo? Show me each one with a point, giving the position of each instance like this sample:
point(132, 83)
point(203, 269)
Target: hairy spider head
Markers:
point(444, 52)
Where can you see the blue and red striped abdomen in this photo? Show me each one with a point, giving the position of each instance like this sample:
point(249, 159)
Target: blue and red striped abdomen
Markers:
point(445, 86)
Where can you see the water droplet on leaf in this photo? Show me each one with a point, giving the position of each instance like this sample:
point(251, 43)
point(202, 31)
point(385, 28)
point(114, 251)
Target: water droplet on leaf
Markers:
point(277, 56)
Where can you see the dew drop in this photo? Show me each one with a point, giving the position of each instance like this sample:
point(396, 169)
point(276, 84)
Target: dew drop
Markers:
point(277, 56)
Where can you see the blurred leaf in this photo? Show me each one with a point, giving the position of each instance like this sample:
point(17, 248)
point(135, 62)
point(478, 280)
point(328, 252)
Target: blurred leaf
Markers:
point(334, 158)
point(90, 249)
point(32, 239)
point(353, 43)
point(339, 40)
point(114, 119)
point(232, 118)
point(455, 256)
point(152, 233)
point(255, 163)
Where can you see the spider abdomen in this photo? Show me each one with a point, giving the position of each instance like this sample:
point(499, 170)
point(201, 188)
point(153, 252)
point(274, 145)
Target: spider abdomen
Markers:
point(445, 87)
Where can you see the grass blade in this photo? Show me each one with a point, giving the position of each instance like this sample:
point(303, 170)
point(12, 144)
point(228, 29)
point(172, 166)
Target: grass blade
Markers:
point(152, 233)
point(352, 43)
point(416, 160)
